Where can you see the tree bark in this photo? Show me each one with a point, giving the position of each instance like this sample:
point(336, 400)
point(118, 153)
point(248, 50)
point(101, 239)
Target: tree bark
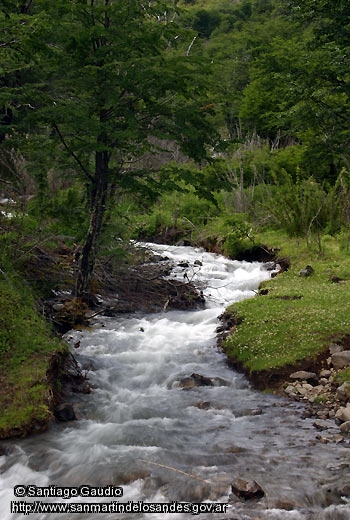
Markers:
point(97, 212)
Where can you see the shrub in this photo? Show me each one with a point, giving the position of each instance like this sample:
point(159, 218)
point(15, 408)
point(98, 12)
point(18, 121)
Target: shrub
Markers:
point(305, 208)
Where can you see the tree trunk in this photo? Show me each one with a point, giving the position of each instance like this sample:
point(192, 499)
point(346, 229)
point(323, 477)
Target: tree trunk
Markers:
point(97, 212)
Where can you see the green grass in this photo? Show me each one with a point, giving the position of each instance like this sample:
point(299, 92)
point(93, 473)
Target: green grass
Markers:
point(343, 375)
point(278, 330)
point(26, 344)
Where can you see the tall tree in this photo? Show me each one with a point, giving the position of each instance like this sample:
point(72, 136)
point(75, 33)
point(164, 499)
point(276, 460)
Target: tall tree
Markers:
point(117, 87)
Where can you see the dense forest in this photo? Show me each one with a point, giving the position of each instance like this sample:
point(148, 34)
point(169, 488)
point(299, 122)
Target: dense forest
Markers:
point(198, 119)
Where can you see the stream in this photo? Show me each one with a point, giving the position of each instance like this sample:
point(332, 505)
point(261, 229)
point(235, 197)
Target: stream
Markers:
point(139, 429)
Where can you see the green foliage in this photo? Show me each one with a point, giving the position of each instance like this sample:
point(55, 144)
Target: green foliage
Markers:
point(24, 43)
point(300, 83)
point(227, 232)
point(344, 240)
point(204, 22)
point(283, 71)
point(238, 240)
point(68, 210)
point(305, 208)
point(275, 68)
point(182, 211)
point(290, 159)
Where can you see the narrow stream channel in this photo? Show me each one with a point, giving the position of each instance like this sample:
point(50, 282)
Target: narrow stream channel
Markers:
point(139, 429)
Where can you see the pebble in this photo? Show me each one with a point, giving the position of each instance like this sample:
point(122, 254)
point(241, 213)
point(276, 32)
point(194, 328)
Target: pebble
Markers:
point(290, 390)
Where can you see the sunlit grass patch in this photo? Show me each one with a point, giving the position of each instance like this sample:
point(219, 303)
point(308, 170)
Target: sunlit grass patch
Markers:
point(298, 317)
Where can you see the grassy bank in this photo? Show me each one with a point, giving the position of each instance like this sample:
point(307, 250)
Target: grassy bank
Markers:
point(298, 317)
point(26, 344)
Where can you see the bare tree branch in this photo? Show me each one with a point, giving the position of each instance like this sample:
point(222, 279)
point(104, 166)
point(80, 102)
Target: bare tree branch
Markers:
point(4, 44)
point(75, 157)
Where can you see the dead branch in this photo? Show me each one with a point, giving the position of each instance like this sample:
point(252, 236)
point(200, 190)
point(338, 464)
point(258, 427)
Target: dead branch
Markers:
point(176, 470)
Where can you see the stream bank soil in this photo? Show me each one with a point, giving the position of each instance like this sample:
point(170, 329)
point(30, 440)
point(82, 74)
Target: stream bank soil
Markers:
point(142, 284)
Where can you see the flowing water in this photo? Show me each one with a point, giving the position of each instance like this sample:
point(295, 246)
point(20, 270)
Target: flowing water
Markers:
point(141, 430)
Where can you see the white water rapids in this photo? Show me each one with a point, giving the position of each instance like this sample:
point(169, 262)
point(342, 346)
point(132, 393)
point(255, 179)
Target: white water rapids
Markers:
point(139, 429)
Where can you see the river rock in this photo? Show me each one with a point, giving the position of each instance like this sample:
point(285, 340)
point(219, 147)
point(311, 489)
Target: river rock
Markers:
point(247, 489)
point(256, 411)
point(304, 389)
point(287, 504)
point(263, 292)
point(304, 376)
point(291, 390)
point(322, 414)
point(345, 427)
point(320, 426)
point(325, 374)
point(270, 266)
point(186, 383)
point(341, 359)
point(195, 380)
point(307, 271)
point(345, 491)
point(65, 412)
point(203, 405)
point(343, 414)
point(334, 347)
point(322, 439)
point(343, 391)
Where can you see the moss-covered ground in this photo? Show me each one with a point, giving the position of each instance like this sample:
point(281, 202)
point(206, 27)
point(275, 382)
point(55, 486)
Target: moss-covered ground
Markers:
point(298, 317)
point(26, 344)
